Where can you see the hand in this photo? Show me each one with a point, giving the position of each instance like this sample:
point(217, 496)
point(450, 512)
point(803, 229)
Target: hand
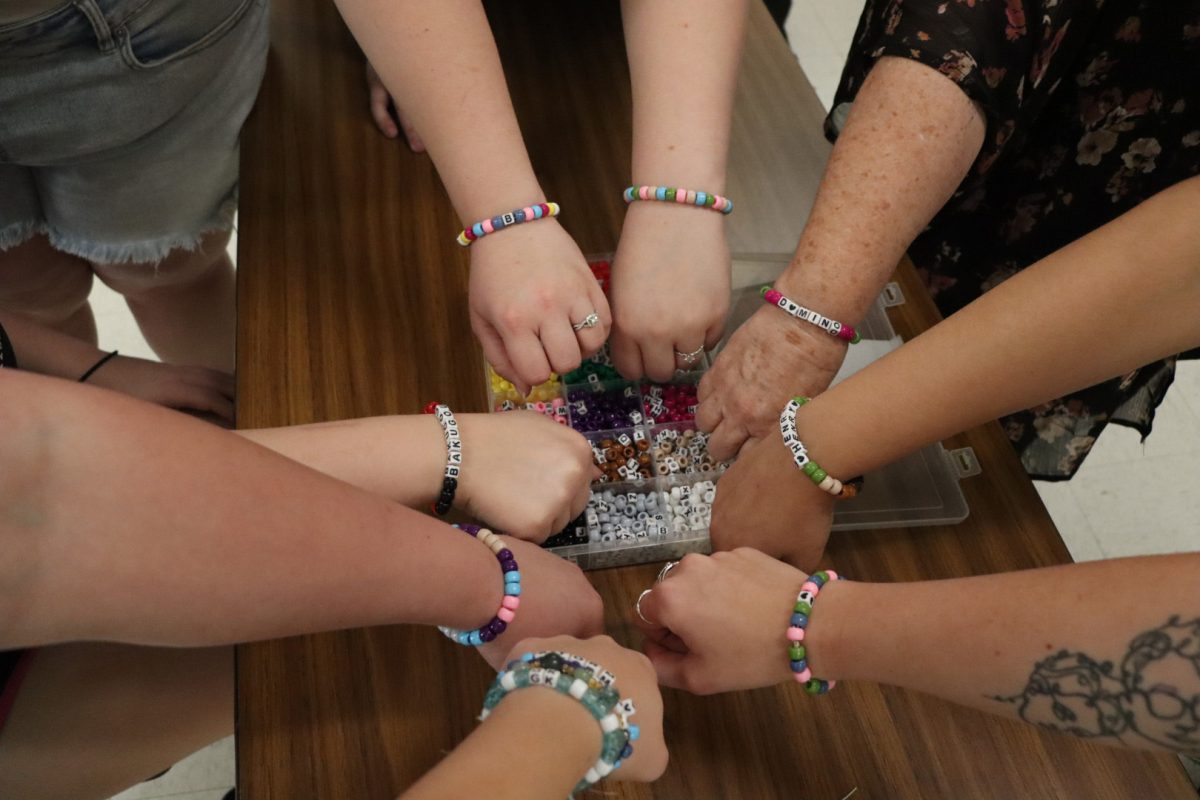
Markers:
point(556, 598)
point(768, 360)
point(529, 284)
point(380, 101)
point(194, 389)
point(790, 520)
point(635, 679)
point(718, 623)
point(670, 288)
point(528, 476)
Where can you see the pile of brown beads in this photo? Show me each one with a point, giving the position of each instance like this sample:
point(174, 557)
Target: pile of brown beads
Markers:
point(624, 457)
point(681, 451)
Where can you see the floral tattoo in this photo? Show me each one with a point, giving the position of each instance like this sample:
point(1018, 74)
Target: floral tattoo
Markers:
point(1152, 696)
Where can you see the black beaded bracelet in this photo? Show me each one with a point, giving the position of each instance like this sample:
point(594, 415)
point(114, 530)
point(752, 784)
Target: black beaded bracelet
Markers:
point(445, 418)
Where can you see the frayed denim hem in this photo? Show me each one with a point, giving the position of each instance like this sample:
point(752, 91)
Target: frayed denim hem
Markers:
point(148, 251)
point(19, 233)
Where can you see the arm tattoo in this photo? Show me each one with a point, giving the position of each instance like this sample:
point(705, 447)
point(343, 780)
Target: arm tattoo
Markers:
point(1153, 696)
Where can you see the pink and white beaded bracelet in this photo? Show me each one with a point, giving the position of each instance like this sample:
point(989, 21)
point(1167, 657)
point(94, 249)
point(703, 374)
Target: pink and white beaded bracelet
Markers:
point(689, 197)
point(832, 327)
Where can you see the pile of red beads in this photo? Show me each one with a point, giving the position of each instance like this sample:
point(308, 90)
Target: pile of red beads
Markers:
point(670, 403)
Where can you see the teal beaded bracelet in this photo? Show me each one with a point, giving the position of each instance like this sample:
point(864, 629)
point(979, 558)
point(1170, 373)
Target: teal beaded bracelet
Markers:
point(590, 684)
point(797, 652)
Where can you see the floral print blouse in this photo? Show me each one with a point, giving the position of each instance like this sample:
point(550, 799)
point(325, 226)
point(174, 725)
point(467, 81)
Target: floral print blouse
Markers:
point(1092, 106)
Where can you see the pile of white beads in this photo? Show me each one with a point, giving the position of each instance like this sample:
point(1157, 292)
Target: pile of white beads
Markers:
point(625, 516)
point(691, 506)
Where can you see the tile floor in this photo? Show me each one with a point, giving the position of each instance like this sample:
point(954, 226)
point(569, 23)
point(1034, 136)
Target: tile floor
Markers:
point(1128, 499)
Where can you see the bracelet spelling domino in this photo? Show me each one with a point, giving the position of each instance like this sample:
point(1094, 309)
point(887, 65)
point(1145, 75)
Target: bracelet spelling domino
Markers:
point(797, 652)
point(832, 327)
point(499, 223)
point(590, 684)
point(842, 490)
point(445, 418)
point(684, 196)
point(512, 592)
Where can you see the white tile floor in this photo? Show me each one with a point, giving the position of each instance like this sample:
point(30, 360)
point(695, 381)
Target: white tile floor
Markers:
point(1127, 499)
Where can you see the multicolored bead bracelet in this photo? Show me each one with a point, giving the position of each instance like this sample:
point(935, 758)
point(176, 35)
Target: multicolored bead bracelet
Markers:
point(683, 196)
point(512, 592)
point(797, 652)
point(590, 684)
point(499, 223)
point(445, 418)
point(832, 327)
point(842, 490)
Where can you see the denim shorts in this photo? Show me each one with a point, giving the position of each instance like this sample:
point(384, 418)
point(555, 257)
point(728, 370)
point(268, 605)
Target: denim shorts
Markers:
point(119, 123)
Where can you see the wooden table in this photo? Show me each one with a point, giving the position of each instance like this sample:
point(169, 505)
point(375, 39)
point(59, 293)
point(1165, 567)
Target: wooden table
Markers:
point(350, 297)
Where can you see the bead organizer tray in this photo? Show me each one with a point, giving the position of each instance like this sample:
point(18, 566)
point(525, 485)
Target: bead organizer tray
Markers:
point(654, 500)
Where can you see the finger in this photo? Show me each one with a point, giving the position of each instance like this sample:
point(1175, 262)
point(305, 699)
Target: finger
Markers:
point(658, 359)
point(708, 415)
point(580, 501)
point(592, 339)
point(560, 345)
point(494, 352)
point(191, 398)
point(213, 380)
point(410, 133)
point(688, 357)
point(626, 355)
point(671, 667)
point(527, 357)
point(706, 386)
point(726, 440)
point(379, 111)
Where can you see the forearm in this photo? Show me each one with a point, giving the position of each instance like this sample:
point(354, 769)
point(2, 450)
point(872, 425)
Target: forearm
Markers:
point(1117, 638)
point(46, 351)
point(124, 521)
point(440, 63)
point(1109, 303)
point(535, 745)
point(399, 457)
point(906, 146)
point(682, 106)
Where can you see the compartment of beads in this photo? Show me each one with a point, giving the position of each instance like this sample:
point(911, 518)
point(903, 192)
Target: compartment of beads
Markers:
point(604, 405)
point(622, 454)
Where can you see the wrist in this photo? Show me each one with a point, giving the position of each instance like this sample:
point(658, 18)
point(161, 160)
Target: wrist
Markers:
point(467, 590)
point(558, 725)
point(822, 286)
point(487, 201)
point(830, 647)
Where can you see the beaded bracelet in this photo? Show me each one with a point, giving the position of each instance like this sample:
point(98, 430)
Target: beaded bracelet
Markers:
point(512, 592)
point(797, 653)
point(445, 418)
point(842, 490)
point(685, 196)
point(498, 223)
point(587, 682)
point(832, 327)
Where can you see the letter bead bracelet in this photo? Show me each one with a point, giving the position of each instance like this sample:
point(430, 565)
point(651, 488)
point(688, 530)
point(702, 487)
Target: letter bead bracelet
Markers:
point(832, 327)
point(445, 418)
point(842, 490)
point(590, 684)
point(797, 651)
point(512, 592)
point(502, 221)
point(687, 197)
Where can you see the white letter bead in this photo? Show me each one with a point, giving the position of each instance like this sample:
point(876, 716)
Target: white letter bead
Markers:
point(610, 723)
point(578, 689)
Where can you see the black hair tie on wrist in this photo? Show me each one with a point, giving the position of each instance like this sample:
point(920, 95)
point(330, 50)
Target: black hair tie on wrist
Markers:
point(97, 366)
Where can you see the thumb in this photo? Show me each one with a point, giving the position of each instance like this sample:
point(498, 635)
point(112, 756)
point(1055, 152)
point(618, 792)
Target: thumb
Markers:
point(673, 669)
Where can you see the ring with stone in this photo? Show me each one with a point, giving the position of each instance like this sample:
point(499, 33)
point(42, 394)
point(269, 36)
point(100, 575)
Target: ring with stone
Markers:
point(690, 358)
point(590, 321)
point(665, 571)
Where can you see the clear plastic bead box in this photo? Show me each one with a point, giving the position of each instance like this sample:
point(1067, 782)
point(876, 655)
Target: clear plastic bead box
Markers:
point(921, 489)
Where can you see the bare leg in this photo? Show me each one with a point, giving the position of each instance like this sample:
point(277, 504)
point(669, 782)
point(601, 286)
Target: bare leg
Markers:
point(185, 304)
point(49, 287)
point(94, 719)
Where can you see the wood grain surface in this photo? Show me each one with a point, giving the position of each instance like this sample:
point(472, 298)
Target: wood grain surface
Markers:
point(351, 296)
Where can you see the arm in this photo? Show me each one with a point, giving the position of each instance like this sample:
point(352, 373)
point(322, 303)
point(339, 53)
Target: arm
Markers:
point(545, 741)
point(671, 278)
point(194, 526)
point(47, 352)
point(528, 283)
point(908, 143)
point(1016, 346)
point(1053, 647)
point(402, 458)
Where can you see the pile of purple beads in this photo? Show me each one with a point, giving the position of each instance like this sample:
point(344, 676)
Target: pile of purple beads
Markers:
point(601, 408)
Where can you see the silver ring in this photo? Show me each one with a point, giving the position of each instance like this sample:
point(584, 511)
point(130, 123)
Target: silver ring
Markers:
point(689, 358)
point(665, 571)
point(637, 606)
point(590, 321)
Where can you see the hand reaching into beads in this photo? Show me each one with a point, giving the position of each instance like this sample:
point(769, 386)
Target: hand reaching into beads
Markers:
point(529, 286)
point(768, 360)
point(556, 598)
point(718, 623)
point(526, 474)
point(670, 288)
point(789, 520)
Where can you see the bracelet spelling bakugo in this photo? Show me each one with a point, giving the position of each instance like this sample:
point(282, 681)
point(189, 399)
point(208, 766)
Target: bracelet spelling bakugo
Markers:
point(445, 418)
